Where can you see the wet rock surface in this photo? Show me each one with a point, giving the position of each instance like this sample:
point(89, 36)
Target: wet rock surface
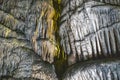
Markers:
point(18, 61)
point(19, 55)
point(39, 39)
point(108, 69)
point(89, 29)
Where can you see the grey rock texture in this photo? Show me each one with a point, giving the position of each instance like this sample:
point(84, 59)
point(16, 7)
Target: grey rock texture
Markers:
point(18, 55)
point(18, 61)
point(90, 29)
point(82, 35)
point(108, 69)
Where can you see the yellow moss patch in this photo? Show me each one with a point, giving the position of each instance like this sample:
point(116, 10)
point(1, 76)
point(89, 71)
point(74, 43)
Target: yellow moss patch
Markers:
point(53, 28)
point(56, 50)
point(7, 32)
point(52, 46)
point(10, 21)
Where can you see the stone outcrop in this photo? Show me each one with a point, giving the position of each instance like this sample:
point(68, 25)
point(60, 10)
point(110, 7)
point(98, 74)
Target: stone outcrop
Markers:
point(22, 38)
point(40, 39)
point(90, 29)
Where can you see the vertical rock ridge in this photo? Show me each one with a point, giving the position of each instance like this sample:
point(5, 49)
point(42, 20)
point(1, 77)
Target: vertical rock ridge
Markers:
point(96, 19)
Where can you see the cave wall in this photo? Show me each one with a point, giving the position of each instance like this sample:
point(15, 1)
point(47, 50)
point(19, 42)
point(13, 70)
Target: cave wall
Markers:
point(40, 39)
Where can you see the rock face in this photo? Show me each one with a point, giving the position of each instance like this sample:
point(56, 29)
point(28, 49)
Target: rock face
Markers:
point(108, 69)
point(21, 25)
point(40, 38)
point(90, 29)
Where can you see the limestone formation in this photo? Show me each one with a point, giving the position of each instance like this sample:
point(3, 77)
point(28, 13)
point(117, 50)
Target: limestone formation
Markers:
point(59, 39)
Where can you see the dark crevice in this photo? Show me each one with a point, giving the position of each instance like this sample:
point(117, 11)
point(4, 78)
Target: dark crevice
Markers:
point(14, 30)
point(8, 13)
point(7, 77)
point(12, 38)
